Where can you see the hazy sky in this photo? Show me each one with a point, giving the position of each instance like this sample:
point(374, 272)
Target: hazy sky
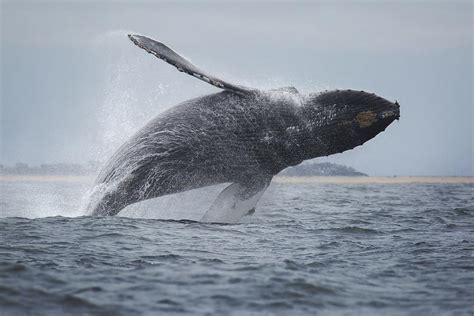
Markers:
point(73, 87)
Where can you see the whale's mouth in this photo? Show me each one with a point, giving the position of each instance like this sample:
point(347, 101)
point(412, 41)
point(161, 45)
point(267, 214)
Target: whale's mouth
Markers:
point(393, 113)
point(389, 114)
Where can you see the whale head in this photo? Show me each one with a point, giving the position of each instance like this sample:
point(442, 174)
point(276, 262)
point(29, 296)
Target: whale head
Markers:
point(343, 119)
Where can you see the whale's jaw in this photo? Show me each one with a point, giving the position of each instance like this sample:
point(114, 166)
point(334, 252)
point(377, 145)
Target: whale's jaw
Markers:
point(340, 120)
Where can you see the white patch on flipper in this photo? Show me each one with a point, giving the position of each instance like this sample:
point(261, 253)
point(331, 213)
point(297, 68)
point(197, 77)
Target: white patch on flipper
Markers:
point(230, 206)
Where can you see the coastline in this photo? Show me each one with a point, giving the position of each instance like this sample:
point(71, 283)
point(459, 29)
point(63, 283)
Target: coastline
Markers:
point(47, 178)
point(276, 179)
point(376, 179)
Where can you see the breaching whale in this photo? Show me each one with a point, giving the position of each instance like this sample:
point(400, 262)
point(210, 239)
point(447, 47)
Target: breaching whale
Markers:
point(242, 136)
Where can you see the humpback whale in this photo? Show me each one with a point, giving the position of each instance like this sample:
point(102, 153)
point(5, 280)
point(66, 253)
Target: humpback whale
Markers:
point(241, 136)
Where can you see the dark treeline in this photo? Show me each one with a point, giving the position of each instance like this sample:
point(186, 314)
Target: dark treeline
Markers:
point(320, 169)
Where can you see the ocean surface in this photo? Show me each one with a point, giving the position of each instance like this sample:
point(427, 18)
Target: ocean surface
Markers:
point(310, 249)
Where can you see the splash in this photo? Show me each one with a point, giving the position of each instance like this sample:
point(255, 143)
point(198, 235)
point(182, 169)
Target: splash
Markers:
point(129, 98)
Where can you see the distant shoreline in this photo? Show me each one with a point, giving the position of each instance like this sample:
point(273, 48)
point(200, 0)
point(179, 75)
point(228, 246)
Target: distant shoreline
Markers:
point(375, 179)
point(46, 178)
point(277, 179)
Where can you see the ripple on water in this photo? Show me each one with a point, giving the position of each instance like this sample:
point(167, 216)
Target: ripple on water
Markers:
point(327, 249)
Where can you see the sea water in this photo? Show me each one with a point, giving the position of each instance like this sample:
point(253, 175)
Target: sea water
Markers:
point(310, 248)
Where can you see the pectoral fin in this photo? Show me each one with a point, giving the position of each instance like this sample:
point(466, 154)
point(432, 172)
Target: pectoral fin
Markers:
point(162, 51)
point(236, 201)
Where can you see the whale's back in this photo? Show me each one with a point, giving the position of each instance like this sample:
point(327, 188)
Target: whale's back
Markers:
point(200, 142)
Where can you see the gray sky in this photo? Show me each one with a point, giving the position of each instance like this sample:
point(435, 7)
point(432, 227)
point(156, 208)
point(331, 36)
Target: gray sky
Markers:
point(73, 87)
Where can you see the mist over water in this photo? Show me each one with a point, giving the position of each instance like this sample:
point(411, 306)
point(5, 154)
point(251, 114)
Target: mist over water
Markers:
point(124, 107)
